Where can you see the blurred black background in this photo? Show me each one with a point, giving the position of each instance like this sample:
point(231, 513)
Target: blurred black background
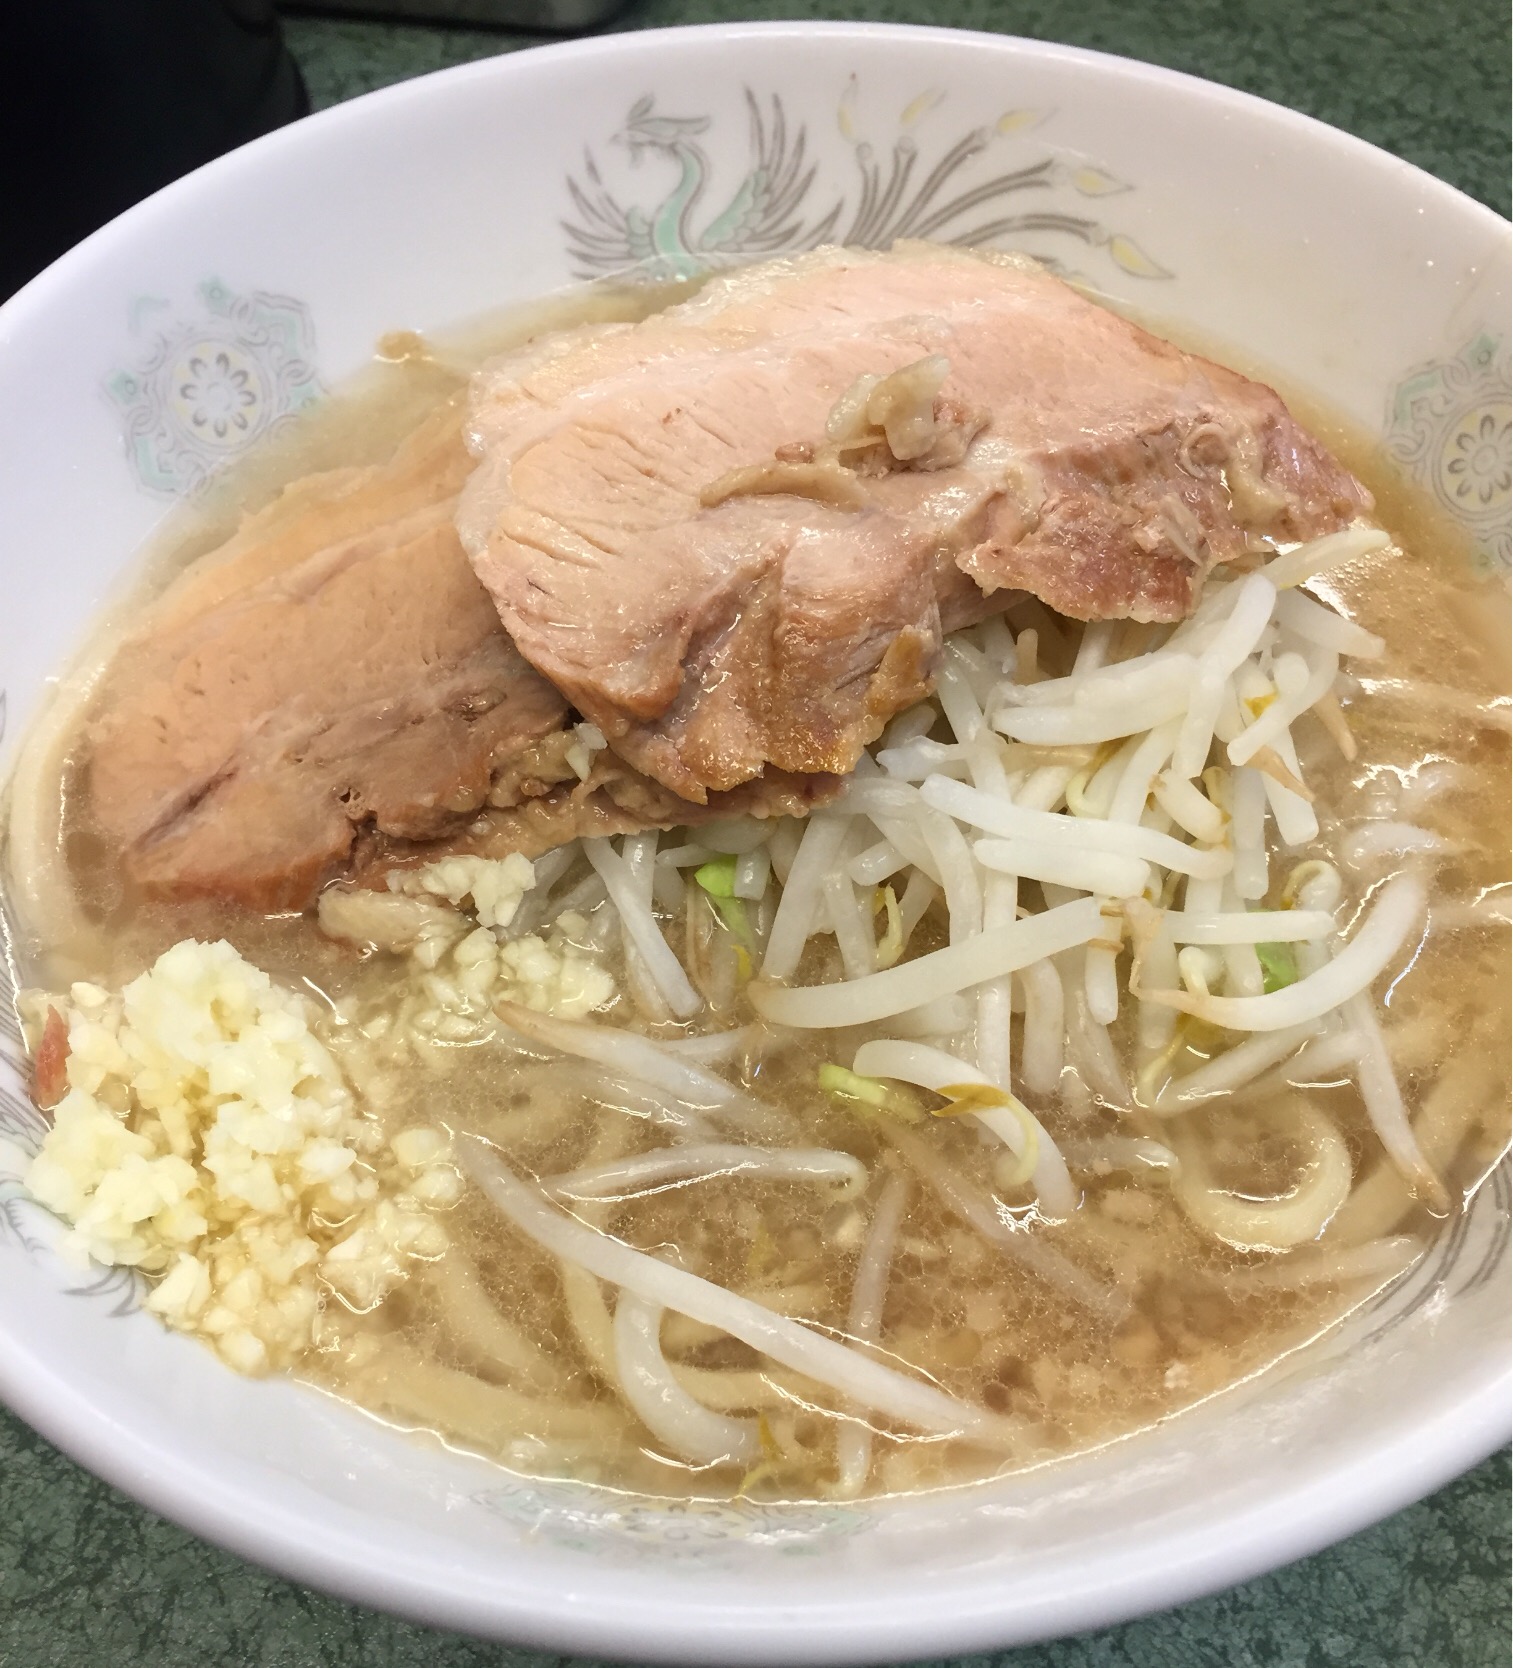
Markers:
point(103, 101)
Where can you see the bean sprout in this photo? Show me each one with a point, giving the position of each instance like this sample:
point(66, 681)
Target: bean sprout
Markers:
point(654, 1172)
point(1393, 917)
point(1012, 1122)
point(877, 1387)
point(958, 966)
point(864, 1321)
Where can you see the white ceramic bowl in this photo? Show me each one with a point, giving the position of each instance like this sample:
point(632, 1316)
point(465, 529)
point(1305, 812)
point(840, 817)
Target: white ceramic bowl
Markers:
point(174, 337)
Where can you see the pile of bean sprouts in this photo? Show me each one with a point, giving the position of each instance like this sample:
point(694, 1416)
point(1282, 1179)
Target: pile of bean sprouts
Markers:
point(1128, 842)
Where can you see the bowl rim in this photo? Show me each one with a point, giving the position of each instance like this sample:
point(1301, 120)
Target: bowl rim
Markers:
point(356, 109)
point(627, 1619)
point(232, 1513)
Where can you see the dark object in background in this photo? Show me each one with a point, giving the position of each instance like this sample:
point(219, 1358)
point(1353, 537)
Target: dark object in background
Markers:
point(103, 101)
point(510, 14)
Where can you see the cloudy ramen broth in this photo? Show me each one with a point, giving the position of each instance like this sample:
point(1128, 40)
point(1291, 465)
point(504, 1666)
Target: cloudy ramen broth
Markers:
point(1065, 1333)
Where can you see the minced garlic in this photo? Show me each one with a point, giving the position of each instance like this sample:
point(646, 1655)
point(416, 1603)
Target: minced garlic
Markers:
point(209, 1138)
point(461, 961)
point(495, 885)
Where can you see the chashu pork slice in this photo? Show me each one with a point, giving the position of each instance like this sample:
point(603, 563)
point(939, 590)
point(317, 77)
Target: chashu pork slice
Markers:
point(735, 534)
point(331, 694)
point(334, 672)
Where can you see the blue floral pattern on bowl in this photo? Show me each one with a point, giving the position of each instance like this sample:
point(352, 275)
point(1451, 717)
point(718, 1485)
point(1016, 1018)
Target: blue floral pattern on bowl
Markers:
point(212, 383)
point(973, 191)
point(1450, 424)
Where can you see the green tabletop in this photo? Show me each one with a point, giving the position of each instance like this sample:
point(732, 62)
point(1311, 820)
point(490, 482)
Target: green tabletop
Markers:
point(87, 1578)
